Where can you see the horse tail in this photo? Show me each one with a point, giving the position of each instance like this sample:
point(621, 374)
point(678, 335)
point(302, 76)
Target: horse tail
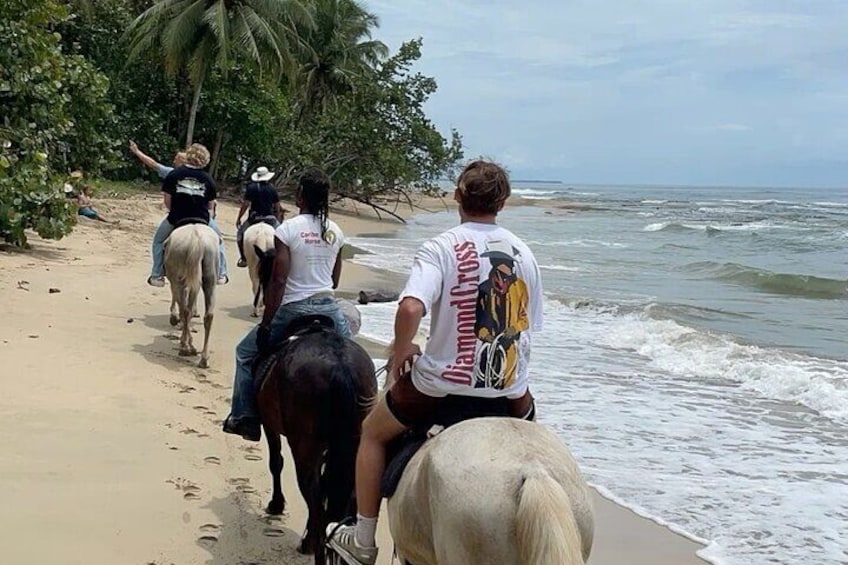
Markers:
point(547, 531)
point(343, 429)
point(187, 252)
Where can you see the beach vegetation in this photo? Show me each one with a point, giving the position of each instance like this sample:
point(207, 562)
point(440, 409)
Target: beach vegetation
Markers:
point(286, 84)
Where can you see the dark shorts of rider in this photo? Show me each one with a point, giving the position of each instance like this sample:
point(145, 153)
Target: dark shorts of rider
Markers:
point(416, 410)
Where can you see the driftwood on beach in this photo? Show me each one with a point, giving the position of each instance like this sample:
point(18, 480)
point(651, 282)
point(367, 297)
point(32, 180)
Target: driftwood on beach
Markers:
point(366, 296)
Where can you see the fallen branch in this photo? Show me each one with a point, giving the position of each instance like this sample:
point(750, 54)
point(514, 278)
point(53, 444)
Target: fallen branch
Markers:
point(377, 208)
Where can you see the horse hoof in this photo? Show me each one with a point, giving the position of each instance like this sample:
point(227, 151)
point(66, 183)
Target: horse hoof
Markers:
point(276, 508)
point(175, 320)
point(254, 314)
point(204, 364)
point(305, 548)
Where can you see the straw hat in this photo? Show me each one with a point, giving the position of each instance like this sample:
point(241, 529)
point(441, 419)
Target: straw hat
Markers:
point(262, 174)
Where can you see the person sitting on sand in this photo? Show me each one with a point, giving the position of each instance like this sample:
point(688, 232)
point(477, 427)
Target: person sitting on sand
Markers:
point(452, 281)
point(85, 207)
point(264, 203)
point(307, 268)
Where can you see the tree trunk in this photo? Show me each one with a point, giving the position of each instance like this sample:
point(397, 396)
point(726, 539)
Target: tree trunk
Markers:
point(192, 116)
point(216, 153)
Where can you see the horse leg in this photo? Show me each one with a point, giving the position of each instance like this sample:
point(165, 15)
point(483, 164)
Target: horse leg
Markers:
point(275, 463)
point(189, 297)
point(307, 460)
point(254, 286)
point(209, 304)
point(175, 309)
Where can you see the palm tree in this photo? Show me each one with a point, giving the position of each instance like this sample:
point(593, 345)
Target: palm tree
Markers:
point(335, 51)
point(196, 34)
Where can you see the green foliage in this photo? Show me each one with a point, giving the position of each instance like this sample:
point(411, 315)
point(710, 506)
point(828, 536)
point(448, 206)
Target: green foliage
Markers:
point(334, 53)
point(378, 142)
point(281, 83)
point(197, 37)
point(54, 115)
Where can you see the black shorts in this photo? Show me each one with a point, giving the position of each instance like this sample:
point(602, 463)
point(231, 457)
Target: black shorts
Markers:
point(416, 410)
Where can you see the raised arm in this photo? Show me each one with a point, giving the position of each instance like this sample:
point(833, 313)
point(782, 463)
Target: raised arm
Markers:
point(146, 160)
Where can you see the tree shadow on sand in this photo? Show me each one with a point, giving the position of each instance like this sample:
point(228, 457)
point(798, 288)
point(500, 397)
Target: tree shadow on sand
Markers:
point(240, 536)
point(164, 350)
point(242, 312)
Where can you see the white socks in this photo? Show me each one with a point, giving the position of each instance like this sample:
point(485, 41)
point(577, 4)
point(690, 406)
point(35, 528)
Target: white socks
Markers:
point(366, 530)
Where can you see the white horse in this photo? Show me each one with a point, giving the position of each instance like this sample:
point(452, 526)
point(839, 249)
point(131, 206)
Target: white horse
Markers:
point(191, 263)
point(492, 490)
point(259, 253)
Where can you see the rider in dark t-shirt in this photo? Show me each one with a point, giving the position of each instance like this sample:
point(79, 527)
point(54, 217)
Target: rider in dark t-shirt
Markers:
point(191, 191)
point(262, 197)
point(264, 203)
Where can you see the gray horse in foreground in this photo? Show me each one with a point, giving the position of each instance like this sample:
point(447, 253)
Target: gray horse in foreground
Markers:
point(492, 490)
point(191, 264)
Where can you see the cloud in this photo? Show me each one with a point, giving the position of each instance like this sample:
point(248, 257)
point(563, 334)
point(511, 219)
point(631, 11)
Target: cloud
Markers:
point(624, 91)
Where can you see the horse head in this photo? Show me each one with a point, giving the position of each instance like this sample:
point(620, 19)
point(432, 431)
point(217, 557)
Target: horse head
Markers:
point(266, 264)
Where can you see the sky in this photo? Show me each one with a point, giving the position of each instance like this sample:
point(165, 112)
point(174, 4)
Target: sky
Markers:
point(705, 92)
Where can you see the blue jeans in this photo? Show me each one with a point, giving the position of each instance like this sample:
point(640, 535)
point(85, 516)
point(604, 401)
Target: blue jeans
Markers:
point(244, 391)
point(163, 231)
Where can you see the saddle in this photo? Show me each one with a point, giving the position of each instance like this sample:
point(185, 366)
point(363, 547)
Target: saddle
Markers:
point(270, 220)
point(452, 410)
point(299, 327)
point(191, 220)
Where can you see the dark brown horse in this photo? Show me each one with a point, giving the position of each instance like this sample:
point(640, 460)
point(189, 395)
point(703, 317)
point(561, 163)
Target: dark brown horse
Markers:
point(317, 393)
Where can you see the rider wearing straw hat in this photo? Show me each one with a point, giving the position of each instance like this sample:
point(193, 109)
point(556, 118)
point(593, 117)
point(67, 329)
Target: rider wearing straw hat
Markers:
point(264, 203)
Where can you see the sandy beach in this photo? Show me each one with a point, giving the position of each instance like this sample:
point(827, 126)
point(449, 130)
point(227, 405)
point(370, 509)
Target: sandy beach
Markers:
point(113, 449)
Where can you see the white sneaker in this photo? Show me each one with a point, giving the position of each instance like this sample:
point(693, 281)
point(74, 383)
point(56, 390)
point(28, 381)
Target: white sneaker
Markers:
point(158, 282)
point(343, 541)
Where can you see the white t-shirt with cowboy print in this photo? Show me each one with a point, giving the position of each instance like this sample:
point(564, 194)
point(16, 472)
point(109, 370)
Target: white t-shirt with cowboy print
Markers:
point(482, 288)
point(312, 258)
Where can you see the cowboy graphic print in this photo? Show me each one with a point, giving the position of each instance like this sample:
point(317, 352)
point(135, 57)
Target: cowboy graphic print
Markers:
point(501, 316)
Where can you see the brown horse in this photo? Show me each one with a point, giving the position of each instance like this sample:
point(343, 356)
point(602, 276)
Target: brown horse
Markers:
point(316, 393)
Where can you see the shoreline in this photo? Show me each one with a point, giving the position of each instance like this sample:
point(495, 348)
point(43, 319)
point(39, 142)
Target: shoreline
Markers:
point(115, 441)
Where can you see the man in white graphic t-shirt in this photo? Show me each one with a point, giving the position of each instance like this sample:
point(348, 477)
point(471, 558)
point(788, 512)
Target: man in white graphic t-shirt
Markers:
point(481, 285)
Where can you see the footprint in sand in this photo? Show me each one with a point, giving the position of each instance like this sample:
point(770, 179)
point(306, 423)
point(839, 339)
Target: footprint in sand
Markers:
point(210, 535)
point(183, 389)
point(212, 460)
point(190, 490)
point(274, 532)
point(238, 481)
point(253, 453)
point(189, 431)
point(205, 410)
point(207, 541)
point(191, 493)
point(246, 489)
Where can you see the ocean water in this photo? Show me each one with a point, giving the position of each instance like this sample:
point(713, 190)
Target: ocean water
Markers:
point(694, 357)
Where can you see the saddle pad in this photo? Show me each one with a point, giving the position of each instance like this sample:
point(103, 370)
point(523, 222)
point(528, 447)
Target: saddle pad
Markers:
point(300, 326)
point(409, 444)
